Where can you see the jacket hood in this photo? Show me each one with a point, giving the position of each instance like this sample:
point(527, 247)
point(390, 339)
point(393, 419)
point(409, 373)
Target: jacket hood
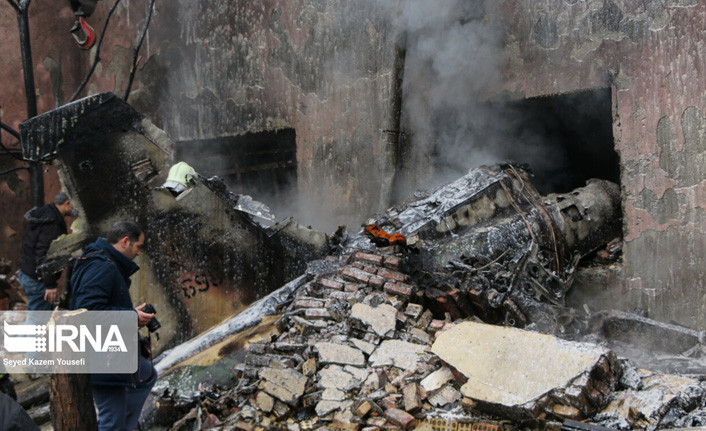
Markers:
point(45, 214)
point(127, 266)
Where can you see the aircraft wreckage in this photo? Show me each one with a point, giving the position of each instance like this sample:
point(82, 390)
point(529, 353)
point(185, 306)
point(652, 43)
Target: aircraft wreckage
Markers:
point(366, 331)
point(206, 254)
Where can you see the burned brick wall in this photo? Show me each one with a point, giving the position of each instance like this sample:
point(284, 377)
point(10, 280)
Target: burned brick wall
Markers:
point(651, 56)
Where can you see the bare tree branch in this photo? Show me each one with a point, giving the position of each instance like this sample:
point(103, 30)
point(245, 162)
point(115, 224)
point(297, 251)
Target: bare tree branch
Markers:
point(133, 69)
point(98, 51)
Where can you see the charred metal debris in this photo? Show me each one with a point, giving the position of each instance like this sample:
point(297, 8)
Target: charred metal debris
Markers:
point(489, 245)
point(357, 347)
point(391, 331)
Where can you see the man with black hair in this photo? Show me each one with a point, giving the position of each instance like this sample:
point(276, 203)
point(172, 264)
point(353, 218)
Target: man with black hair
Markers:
point(44, 225)
point(100, 281)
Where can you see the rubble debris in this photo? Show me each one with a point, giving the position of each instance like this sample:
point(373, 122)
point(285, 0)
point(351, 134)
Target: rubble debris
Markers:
point(334, 353)
point(660, 401)
point(284, 384)
point(366, 364)
point(518, 372)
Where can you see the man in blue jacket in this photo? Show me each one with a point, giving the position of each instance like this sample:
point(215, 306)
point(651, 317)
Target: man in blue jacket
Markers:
point(100, 281)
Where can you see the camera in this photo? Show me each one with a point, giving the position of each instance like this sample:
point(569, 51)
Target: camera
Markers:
point(154, 323)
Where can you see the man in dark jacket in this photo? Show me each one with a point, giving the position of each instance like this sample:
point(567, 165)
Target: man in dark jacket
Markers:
point(44, 225)
point(100, 281)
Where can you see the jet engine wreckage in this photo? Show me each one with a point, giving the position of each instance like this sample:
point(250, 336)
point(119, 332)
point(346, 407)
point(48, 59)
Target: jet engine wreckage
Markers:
point(503, 245)
point(389, 333)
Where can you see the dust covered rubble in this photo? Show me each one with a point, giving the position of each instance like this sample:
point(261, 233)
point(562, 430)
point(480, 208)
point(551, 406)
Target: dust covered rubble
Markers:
point(357, 349)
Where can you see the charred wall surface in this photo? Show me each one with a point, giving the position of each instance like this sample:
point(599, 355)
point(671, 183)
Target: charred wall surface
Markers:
point(651, 54)
point(321, 68)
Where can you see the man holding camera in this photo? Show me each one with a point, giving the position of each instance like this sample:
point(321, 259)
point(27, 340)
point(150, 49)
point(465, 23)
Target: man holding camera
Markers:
point(100, 281)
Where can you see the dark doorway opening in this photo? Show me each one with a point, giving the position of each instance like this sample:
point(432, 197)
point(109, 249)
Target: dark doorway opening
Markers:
point(262, 165)
point(565, 138)
point(578, 128)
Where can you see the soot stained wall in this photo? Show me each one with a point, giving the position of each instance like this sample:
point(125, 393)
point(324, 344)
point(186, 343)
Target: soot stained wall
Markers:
point(652, 55)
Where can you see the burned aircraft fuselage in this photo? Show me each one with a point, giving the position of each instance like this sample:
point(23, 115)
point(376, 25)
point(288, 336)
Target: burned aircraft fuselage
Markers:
point(204, 259)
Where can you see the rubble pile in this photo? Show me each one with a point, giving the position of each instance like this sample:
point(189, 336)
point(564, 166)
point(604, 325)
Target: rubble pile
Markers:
point(358, 349)
point(649, 400)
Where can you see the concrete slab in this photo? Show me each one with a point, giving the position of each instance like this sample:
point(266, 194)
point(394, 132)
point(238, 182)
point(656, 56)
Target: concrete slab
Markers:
point(508, 367)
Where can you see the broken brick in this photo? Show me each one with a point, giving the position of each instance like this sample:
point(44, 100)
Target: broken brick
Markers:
point(389, 402)
point(370, 269)
point(436, 325)
point(331, 284)
point(355, 274)
point(243, 426)
point(317, 313)
point(447, 306)
point(308, 303)
point(410, 395)
point(391, 275)
point(462, 302)
point(341, 296)
point(567, 412)
point(400, 417)
point(363, 408)
point(376, 422)
point(392, 262)
point(468, 403)
point(376, 282)
point(398, 289)
point(342, 425)
point(350, 287)
point(367, 257)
